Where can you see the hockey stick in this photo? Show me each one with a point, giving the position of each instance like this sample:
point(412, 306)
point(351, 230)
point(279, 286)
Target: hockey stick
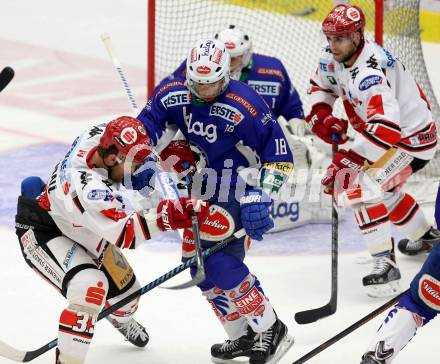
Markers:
point(200, 275)
point(309, 316)
point(12, 353)
point(349, 330)
point(6, 75)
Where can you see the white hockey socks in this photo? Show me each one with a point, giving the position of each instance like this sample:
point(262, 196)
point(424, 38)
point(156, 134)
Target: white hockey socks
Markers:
point(399, 327)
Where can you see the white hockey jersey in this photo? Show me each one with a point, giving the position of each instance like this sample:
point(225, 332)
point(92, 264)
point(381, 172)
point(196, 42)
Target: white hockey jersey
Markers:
point(383, 102)
point(88, 207)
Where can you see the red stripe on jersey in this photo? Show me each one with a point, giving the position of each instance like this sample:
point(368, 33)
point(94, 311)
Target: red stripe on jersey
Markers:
point(129, 235)
point(377, 212)
point(384, 133)
point(144, 226)
point(423, 96)
point(375, 106)
point(114, 214)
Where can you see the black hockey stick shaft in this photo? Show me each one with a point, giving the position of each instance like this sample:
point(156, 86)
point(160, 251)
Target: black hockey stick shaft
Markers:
point(309, 316)
point(200, 275)
point(6, 75)
point(349, 330)
point(27, 356)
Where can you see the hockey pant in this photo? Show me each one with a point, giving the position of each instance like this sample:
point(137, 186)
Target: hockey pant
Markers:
point(396, 207)
point(416, 308)
point(233, 292)
point(88, 284)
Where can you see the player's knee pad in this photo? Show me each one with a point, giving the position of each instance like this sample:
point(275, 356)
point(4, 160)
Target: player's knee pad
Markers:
point(124, 313)
point(225, 271)
point(233, 323)
point(407, 302)
point(406, 214)
point(425, 287)
point(87, 290)
point(250, 302)
point(374, 224)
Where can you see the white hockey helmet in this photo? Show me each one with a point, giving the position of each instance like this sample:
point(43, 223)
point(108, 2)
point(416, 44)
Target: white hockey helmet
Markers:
point(237, 43)
point(207, 63)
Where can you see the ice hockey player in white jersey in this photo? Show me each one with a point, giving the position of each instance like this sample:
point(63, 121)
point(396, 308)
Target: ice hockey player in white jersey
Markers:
point(415, 309)
point(72, 234)
point(386, 108)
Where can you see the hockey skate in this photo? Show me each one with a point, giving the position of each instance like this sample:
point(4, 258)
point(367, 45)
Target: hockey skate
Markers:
point(384, 279)
point(227, 352)
point(379, 356)
point(271, 345)
point(422, 245)
point(133, 332)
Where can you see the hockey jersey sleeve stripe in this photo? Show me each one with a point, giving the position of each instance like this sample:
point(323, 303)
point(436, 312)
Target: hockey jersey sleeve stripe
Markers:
point(78, 204)
point(126, 239)
point(144, 226)
point(382, 132)
point(376, 141)
point(386, 123)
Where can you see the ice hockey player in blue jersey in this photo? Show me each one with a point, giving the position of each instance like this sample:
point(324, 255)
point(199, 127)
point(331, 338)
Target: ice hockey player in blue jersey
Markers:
point(415, 309)
point(216, 114)
point(266, 75)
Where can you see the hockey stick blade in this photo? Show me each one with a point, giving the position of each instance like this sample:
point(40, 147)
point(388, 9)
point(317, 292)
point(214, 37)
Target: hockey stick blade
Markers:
point(309, 316)
point(6, 75)
point(9, 352)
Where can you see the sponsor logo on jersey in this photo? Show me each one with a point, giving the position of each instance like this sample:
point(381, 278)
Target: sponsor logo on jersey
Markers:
point(259, 311)
point(105, 195)
point(326, 66)
point(233, 316)
point(249, 302)
point(391, 61)
point(218, 225)
point(242, 101)
point(429, 291)
point(267, 118)
point(244, 286)
point(283, 209)
point(203, 70)
point(176, 98)
point(370, 81)
point(266, 88)
point(226, 112)
point(283, 167)
point(271, 72)
point(169, 85)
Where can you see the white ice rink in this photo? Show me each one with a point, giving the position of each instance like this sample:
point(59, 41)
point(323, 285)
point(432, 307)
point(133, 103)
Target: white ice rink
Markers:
point(64, 82)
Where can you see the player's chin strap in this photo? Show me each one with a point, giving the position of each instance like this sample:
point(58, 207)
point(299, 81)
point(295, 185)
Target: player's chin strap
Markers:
point(12, 353)
point(200, 275)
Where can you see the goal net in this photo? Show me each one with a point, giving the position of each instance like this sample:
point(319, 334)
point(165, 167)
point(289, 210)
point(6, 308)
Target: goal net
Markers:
point(290, 31)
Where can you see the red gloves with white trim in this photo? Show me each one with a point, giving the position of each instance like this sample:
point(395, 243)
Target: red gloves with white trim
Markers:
point(176, 214)
point(323, 124)
point(342, 172)
point(178, 151)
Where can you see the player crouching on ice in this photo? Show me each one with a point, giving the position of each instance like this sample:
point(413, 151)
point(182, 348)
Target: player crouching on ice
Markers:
point(415, 309)
point(217, 115)
point(73, 232)
point(387, 109)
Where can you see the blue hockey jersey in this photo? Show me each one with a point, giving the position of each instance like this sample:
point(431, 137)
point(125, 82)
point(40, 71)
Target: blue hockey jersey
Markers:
point(238, 116)
point(268, 77)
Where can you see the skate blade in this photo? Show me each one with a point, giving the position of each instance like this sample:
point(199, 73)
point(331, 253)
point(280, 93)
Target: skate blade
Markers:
point(239, 360)
point(283, 348)
point(383, 290)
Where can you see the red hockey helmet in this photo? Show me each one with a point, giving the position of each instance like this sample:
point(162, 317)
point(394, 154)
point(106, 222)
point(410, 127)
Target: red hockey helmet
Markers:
point(126, 133)
point(344, 19)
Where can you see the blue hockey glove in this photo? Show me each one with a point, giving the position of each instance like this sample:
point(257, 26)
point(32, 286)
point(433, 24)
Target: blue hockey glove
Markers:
point(32, 186)
point(255, 215)
point(142, 178)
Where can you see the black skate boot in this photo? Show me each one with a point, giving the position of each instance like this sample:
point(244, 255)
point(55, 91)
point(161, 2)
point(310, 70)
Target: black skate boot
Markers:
point(230, 349)
point(379, 356)
point(271, 345)
point(133, 332)
point(422, 245)
point(384, 279)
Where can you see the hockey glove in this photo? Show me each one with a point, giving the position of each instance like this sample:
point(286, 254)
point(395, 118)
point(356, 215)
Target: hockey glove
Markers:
point(255, 215)
point(143, 176)
point(323, 124)
point(177, 152)
point(176, 214)
point(342, 172)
